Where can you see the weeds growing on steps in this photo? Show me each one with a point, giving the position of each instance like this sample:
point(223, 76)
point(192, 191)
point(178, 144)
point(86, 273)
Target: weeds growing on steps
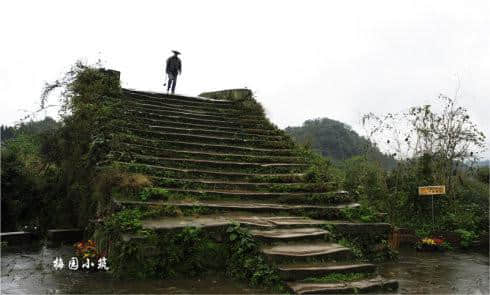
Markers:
point(189, 251)
point(247, 263)
point(339, 278)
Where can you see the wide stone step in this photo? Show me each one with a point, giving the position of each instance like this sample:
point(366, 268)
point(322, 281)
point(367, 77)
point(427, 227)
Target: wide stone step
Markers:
point(204, 155)
point(176, 103)
point(213, 219)
point(228, 114)
point(288, 197)
point(196, 164)
point(166, 171)
point(361, 286)
point(199, 131)
point(289, 234)
point(190, 114)
point(172, 223)
point(210, 184)
point(138, 114)
point(207, 147)
point(260, 224)
point(291, 272)
point(188, 99)
point(298, 252)
point(249, 207)
point(284, 222)
point(196, 138)
point(178, 124)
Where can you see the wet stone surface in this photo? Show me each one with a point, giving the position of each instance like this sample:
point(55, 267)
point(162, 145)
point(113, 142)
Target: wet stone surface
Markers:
point(30, 270)
point(439, 273)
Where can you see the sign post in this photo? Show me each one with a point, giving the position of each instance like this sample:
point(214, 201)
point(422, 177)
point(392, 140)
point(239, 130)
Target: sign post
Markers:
point(431, 191)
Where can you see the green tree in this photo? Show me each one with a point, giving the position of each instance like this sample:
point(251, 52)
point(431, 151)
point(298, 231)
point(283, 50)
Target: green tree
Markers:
point(448, 139)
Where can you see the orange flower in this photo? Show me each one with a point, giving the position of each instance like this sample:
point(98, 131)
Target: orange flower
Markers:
point(438, 241)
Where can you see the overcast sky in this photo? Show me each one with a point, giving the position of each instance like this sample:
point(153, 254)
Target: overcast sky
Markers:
point(303, 59)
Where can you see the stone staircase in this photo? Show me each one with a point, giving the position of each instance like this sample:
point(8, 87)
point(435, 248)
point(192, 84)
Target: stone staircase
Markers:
point(216, 154)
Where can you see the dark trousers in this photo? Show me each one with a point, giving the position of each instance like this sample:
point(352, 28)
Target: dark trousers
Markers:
point(172, 80)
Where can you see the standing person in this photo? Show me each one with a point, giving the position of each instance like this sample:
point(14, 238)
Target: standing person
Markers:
point(173, 68)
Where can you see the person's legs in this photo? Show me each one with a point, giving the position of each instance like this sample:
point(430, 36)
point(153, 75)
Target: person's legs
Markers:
point(170, 82)
point(173, 84)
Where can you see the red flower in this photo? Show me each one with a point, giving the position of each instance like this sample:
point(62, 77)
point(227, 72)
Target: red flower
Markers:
point(438, 241)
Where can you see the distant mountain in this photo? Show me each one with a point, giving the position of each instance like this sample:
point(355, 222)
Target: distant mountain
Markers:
point(484, 163)
point(337, 140)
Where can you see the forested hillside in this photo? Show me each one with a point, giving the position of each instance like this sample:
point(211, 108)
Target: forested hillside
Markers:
point(337, 140)
point(29, 128)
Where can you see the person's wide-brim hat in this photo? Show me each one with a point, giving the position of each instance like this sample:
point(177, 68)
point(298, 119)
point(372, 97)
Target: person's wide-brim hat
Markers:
point(176, 52)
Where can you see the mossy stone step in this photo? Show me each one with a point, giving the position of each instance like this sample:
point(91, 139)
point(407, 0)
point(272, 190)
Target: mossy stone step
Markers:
point(306, 251)
point(255, 221)
point(288, 197)
point(193, 115)
point(178, 124)
point(207, 147)
point(221, 113)
point(361, 286)
point(289, 234)
point(196, 183)
point(199, 131)
point(189, 99)
point(294, 221)
point(171, 223)
point(242, 206)
point(165, 171)
point(176, 103)
point(297, 271)
point(227, 165)
point(268, 221)
point(204, 155)
point(196, 138)
point(213, 219)
point(133, 114)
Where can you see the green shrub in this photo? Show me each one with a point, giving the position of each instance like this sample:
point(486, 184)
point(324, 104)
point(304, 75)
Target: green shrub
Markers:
point(321, 169)
point(363, 213)
point(338, 278)
point(483, 174)
point(149, 193)
point(467, 237)
point(247, 263)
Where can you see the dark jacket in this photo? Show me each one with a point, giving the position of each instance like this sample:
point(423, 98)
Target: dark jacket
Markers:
point(174, 65)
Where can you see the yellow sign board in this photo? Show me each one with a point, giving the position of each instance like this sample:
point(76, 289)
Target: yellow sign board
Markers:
point(432, 190)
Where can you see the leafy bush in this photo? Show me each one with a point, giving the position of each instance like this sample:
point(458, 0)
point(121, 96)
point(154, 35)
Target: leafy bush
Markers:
point(483, 174)
point(149, 193)
point(338, 278)
point(128, 220)
point(363, 213)
point(396, 193)
point(247, 263)
point(467, 237)
point(321, 169)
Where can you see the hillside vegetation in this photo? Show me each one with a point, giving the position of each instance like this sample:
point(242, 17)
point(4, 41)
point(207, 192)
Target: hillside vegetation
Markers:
point(337, 141)
point(423, 158)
